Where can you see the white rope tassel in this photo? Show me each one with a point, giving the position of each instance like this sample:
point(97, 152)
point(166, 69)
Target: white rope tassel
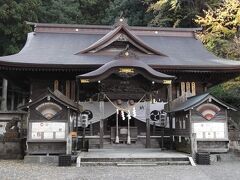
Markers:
point(121, 108)
point(134, 112)
point(123, 116)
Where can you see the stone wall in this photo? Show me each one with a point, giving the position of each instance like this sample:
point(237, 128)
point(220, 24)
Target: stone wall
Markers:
point(11, 149)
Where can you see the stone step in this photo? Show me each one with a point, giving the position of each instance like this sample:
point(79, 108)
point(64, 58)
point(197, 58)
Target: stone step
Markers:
point(136, 164)
point(161, 163)
point(162, 159)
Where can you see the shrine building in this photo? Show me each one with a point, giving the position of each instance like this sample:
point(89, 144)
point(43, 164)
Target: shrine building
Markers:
point(115, 86)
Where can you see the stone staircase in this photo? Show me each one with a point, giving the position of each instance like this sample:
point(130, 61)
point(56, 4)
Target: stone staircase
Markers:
point(133, 161)
point(132, 157)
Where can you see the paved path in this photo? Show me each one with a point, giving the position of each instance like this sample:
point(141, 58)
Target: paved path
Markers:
point(218, 171)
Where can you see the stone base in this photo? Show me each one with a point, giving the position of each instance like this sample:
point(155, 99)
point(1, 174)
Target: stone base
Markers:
point(41, 159)
point(11, 149)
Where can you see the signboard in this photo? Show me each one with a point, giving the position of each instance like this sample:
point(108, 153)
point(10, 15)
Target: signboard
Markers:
point(209, 130)
point(126, 70)
point(167, 81)
point(48, 130)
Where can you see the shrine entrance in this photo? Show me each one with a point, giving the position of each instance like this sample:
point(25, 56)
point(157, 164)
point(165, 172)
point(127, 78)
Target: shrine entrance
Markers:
point(125, 82)
point(129, 89)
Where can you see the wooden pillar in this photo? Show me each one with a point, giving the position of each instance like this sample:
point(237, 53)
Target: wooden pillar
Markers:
point(4, 95)
point(68, 88)
point(78, 86)
point(193, 139)
point(23, 100)
point(73, 90)
point(169, 98)
point(69, 137)
point(91, 129)
point(12, 101)
point(101, 107)
point(56, 85)
point(154, 128)
point(78, 114)
point(148, 99)
point(169, 94)
point(76, 129)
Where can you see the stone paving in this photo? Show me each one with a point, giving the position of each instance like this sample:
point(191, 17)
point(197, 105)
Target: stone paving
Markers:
point(218, 171)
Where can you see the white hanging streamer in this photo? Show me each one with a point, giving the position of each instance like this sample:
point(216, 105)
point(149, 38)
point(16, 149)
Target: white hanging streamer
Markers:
point(122, 114)
point(123, 109)
point(129, 115)
point(134, 112)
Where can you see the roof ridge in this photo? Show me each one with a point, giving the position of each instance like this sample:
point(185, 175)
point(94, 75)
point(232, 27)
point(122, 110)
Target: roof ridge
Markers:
point(92, 26)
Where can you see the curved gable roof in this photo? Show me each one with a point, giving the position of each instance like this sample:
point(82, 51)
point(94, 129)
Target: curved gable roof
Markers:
point(197, 100)
point(114, 35)
point(112, 67)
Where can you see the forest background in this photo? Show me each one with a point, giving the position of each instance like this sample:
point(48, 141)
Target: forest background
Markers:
point(219, 19)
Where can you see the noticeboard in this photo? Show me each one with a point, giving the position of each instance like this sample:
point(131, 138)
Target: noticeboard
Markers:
point(48, 130)
point(209, 130)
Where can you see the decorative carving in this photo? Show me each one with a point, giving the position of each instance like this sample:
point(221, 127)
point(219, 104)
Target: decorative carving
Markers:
point(122, 37)
point(127, 53)
point(208, 110)
point(48, 109)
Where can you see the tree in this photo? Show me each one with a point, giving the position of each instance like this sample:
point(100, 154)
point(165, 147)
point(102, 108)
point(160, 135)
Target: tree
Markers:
point(134, 11)
point(13, 30)
point(178, 13)
point(73, 11)
point(58, 11)
point(220, 27)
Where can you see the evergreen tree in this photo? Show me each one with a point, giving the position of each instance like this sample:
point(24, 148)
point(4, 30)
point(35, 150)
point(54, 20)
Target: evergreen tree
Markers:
point(13, 29)
point(178, 13)
point(72, 11)
point(220, 26)
point(134, 11)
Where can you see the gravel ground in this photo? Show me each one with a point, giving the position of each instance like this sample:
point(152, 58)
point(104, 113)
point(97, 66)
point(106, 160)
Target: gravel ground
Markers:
point(219, 171)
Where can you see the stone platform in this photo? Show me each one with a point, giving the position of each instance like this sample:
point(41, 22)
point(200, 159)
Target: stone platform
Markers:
point(136, 157)
point(41, 159)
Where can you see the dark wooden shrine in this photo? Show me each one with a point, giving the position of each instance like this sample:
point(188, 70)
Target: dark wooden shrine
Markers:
point(52, 117)
point(205, 118)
